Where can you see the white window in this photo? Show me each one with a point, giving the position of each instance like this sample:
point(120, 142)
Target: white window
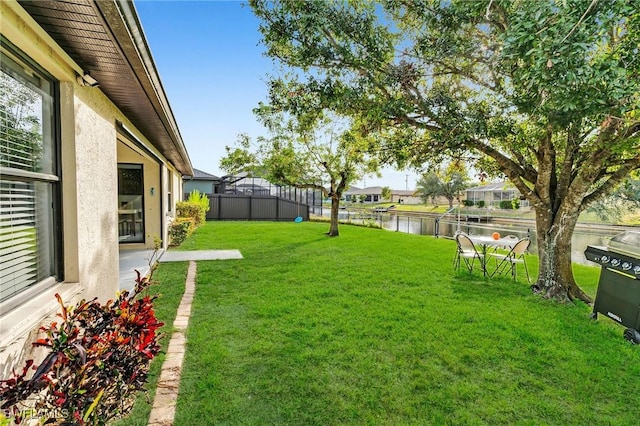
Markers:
point(30, 235)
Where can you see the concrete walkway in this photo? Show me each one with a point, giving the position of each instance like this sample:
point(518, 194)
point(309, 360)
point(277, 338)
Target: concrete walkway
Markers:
point(181, 256)
point(132, 260)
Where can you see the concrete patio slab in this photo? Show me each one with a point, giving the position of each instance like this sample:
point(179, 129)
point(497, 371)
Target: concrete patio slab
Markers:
point(182, 256)
point(132, 260)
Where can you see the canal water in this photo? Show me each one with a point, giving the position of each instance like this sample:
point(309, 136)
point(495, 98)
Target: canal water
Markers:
point(583, 236)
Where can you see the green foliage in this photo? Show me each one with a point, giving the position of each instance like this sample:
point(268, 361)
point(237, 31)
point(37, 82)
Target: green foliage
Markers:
point(21, 125)
point(98, 360)
point(447, 182)
point(542, 92)
point(623, 199)
point(386, 193)
point(467, 203)
point(428, 187)
point(506, 204)
point(196, 207)
point(180, 229)
point(201, 199)
point(239, 159)
point(199, 212)
point(168, 279)
point(480, 203)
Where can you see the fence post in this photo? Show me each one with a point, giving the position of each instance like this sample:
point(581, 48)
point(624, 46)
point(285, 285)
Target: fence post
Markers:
point(436, 227)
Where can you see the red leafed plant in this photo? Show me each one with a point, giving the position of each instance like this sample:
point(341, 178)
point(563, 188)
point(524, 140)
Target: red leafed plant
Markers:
point(99, 357)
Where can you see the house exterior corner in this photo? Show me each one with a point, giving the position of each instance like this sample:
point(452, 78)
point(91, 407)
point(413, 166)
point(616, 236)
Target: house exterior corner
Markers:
point(88, 166)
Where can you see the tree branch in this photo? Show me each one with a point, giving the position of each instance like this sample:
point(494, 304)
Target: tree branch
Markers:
point(614, 180)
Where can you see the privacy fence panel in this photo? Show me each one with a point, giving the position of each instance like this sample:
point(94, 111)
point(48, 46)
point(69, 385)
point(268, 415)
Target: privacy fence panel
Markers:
point(255, 207)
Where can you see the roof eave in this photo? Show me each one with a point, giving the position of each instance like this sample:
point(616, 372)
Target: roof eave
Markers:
point(122, 20)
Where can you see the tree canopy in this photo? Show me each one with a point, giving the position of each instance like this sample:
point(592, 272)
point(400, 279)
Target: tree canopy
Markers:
point(447, 182)
point(544, 92)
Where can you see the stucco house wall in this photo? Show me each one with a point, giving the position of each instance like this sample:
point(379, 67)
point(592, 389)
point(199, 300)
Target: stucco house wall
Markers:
point(91, 146)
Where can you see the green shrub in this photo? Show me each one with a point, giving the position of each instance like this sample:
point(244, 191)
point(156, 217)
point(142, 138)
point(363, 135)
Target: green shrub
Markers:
point(506, 204)
point(467, 203)
point(196, 207)
point(180, 229)
point(480, 203)
point(515, 204)
point(202, 201)
point(185, 209)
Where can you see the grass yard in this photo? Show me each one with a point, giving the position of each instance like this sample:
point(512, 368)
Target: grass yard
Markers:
point(375, 327)
point(170, 279)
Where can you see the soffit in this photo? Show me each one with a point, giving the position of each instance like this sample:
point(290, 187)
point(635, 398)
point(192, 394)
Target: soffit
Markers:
point(106, 40)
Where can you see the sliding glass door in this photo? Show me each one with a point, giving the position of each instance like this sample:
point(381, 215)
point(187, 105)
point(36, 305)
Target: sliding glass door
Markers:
point(130, 203)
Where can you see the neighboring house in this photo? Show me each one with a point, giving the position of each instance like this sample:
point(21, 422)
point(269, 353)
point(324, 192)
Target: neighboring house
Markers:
point(402, 196)
point(91, 158)
point(372, 194)
point(202, 181)
point(493, 193)
point(350, 194)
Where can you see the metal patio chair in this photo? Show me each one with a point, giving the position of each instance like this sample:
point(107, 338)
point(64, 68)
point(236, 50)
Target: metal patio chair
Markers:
point(512, 259)
point(467, 252)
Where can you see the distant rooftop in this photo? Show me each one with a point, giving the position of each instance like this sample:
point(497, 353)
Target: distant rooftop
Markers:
point(200, 175)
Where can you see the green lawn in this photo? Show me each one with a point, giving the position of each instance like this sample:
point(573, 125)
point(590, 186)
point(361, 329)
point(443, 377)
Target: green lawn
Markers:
point(169, 278)
point(375, 327)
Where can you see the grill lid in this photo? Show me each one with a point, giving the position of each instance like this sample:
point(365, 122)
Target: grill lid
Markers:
point(627, 243)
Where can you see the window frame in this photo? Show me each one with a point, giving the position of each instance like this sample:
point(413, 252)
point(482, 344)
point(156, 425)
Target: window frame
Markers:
point(53, 179)
point(142, 194)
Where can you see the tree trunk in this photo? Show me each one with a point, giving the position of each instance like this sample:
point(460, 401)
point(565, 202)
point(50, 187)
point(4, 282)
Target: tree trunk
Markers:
point(555, 276)
point(335, 206)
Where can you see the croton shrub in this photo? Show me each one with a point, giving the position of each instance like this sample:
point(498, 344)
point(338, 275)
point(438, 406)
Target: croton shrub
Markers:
point(98, 360)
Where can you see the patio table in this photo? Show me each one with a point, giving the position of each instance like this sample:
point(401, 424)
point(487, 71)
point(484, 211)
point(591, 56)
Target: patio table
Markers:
point(485, 241)
point(131, 213)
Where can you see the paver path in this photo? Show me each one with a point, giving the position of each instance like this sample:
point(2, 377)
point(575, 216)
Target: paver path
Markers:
point(164, 403)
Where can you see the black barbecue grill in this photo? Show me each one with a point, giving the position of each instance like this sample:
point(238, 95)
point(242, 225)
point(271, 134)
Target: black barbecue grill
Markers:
point(618, 295)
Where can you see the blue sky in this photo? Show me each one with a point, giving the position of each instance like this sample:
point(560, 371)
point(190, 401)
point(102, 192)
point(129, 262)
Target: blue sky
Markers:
point(213, 70)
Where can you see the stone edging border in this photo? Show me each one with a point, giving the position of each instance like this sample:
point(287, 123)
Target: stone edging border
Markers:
point(164, 403)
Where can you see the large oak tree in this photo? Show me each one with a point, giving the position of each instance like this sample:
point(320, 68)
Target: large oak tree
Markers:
point(544, 92)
